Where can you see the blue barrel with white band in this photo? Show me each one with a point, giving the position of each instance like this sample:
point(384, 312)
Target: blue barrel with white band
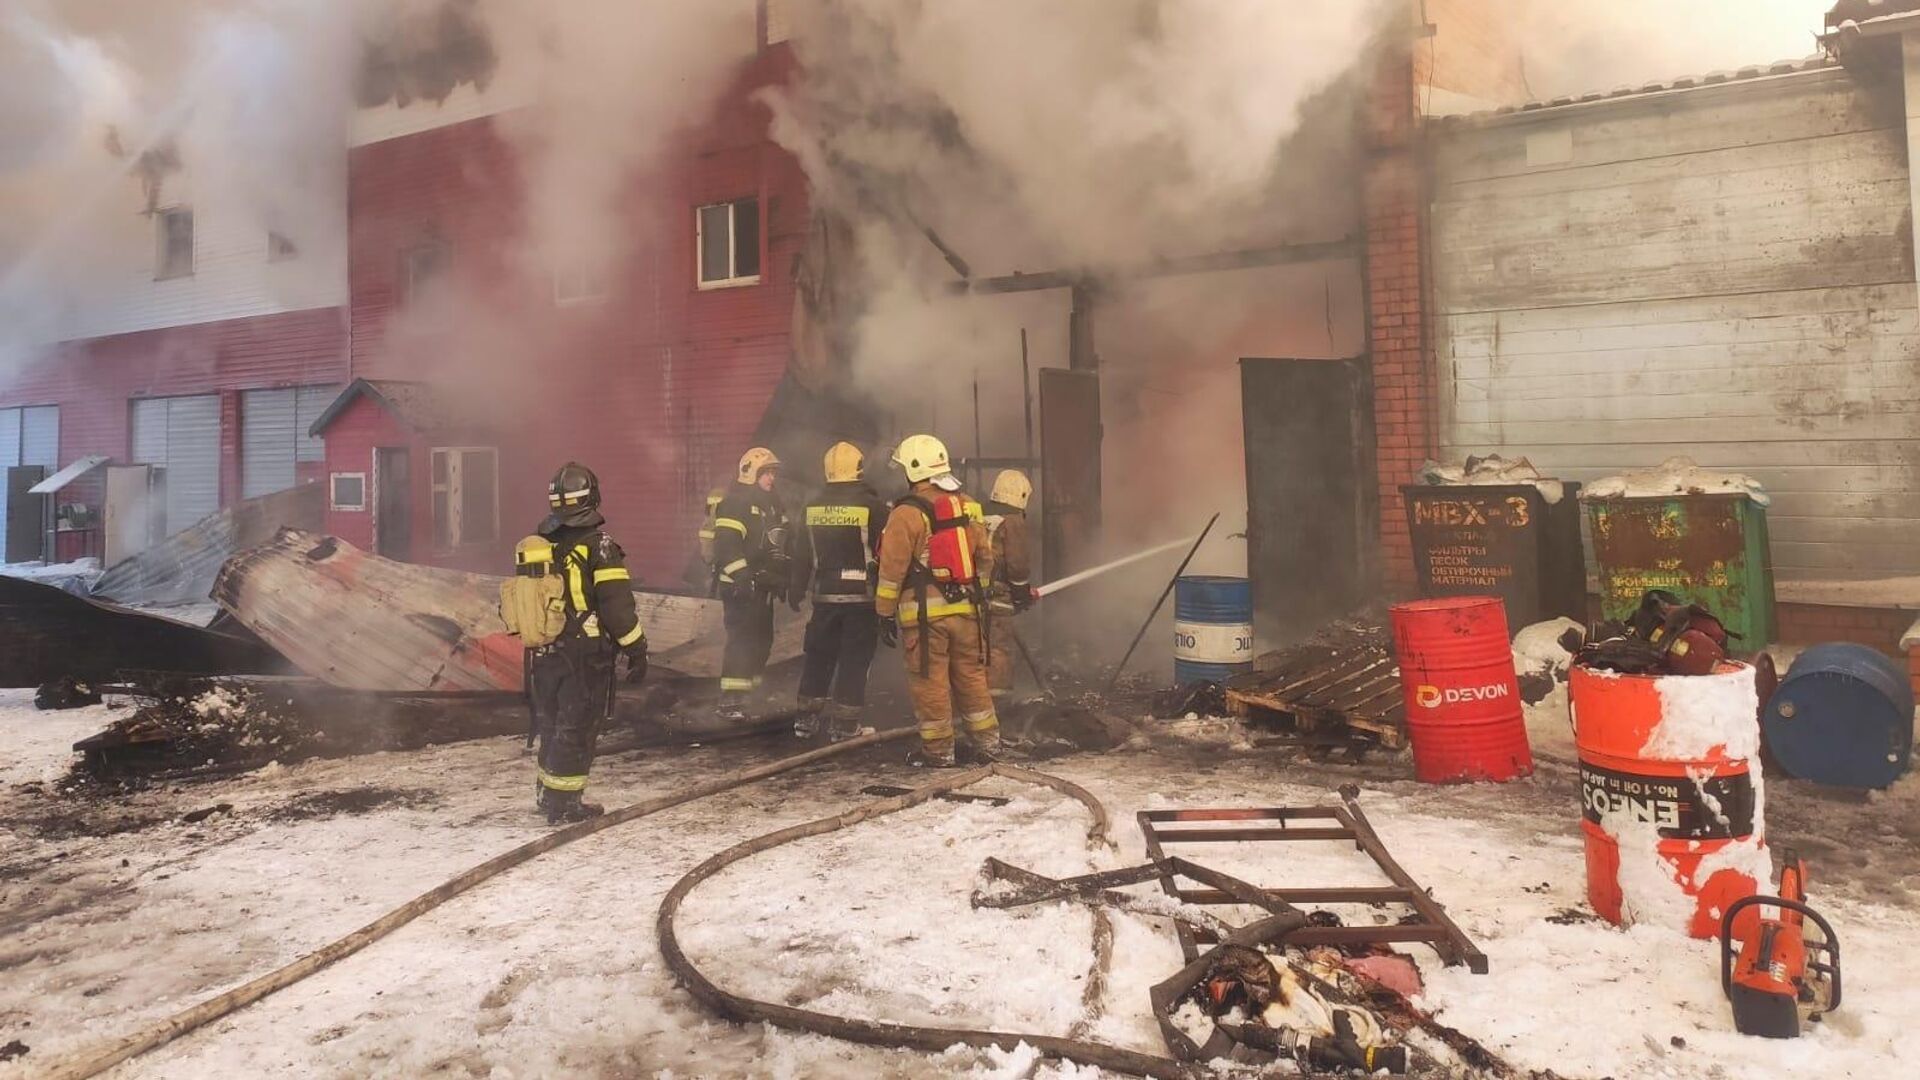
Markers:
point(1212, 628)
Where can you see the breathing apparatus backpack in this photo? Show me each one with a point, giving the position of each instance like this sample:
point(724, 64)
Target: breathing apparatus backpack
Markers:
point(949, 566)
point(533, 602)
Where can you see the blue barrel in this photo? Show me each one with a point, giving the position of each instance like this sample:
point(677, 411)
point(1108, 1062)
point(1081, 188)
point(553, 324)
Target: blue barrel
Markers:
point(1843, 715)
point(1212, 628)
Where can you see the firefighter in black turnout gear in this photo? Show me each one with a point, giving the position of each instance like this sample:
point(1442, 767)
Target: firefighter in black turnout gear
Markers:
point(571, 602)
point(840, 552)
point(753, 569)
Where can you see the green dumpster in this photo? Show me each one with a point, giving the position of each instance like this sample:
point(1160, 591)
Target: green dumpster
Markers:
point(1709, 549)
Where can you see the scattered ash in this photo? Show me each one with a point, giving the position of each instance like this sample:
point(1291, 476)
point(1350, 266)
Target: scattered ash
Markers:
point(323, 804)
point(1572, 917)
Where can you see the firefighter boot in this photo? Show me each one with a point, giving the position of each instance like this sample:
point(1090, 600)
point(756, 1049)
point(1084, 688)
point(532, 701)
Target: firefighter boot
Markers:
point(843, 722)
point(567, 808)
point(806, 722)
point(925, 758)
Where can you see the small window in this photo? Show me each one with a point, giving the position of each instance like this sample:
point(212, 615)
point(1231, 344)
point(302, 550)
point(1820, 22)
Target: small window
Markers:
point(779, 25)
point(174, 255)
point(421, 265)
point(729, 243)
point(349, 491)
point(466, 496)
point(578, 283)
point(280, 248)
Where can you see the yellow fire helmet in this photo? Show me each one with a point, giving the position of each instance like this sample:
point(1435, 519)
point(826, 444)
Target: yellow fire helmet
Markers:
point(1012, 488)
point(844, 462)
point(923, 457)
point(756, 461)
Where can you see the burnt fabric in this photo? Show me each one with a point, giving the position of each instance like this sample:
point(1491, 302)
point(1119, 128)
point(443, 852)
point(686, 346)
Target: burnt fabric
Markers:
point(749, 625)
point(841, 639)
point(571, 686)
point(953, 691)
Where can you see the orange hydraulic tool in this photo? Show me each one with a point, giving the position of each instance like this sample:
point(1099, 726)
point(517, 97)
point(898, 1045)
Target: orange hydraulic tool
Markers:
point(1780, 976)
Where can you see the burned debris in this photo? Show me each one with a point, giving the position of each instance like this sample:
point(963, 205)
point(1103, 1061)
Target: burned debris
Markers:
point(47, 635)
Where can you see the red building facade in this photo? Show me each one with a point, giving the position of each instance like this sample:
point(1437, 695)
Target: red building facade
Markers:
point(651, 376)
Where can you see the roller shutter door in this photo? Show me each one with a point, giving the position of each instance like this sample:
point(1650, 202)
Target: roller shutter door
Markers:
point(183, 436)
point(273, 435)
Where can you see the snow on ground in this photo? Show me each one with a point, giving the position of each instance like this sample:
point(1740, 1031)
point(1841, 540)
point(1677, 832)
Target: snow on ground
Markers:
point(553, 969)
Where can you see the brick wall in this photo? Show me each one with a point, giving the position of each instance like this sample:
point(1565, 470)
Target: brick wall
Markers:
point(1393, 194)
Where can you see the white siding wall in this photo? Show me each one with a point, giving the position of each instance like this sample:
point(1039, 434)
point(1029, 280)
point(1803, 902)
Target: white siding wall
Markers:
point(92, 271)
point(1724, 272)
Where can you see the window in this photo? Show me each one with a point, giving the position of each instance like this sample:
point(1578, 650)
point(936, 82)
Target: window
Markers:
point(578, 283)
point(349, 491)
point(174, 249)
point(729, 243)
point(420, 265)
point(280, 249)
point(466, 496)
point(778, 24)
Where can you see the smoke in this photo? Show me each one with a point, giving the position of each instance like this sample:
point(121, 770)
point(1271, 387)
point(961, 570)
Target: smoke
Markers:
point(1577, 48)
point(1093, 137)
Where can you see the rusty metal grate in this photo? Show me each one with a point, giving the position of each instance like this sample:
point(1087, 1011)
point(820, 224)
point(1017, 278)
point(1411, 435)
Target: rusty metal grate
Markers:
point(1426, 922)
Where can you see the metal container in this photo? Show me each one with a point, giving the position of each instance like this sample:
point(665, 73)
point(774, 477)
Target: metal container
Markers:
point(1212, 628)
point(1501, 540)
point(1680, 799)
point(1464, 715)
point(1708, 549)
point(1843, 715)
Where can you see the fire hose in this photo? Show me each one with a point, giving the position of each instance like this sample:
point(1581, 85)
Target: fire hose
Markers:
point(240, 997)
point(905, 1036)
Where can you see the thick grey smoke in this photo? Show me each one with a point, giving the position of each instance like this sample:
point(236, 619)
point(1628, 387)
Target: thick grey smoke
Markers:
point(1576, 48)
point(1093, 137)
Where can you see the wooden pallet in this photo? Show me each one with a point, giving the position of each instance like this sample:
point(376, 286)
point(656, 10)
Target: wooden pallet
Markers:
point(1320, 690)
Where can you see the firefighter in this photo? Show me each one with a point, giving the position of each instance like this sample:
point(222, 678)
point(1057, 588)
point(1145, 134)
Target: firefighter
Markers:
point(1011, 590)
point(933, 557)
point(570, 674)
point(752, 564)
point(842, 544)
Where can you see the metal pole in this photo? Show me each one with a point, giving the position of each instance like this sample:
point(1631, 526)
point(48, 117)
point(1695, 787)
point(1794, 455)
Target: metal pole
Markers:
point(1026, 390)
point(977, 451)
point(1157, 604)
point(1032, 668)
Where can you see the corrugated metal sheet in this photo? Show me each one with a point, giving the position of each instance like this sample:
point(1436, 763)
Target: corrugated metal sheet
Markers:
point(46, 634)
point(9, 454)
point(182, 569)
point(359, 621)
point(1727, 275)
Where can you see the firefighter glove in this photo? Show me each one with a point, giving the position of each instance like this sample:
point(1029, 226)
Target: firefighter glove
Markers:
point(890, 633)
point(637, 661)
point(1024, 597)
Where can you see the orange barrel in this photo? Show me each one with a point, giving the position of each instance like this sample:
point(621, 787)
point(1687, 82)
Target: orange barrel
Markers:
point(1463, 703)
point(1671, 804)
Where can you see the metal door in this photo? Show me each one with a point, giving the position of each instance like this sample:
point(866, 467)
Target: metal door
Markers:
point(181, 434)
point(1310, 491)
point(40, 445)
point(393, 503)
point(268, 422)
point(128, 518)
point(26, 537)
point(1070, 434)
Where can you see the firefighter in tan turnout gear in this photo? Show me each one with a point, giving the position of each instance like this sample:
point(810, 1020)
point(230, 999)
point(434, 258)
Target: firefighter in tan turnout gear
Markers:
point(1011, 590)
point(571, 603)
point(752, 567)
point(934, 556)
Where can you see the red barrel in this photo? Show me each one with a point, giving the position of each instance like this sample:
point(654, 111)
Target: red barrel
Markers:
point(1670, 801)
point(1464, 714)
